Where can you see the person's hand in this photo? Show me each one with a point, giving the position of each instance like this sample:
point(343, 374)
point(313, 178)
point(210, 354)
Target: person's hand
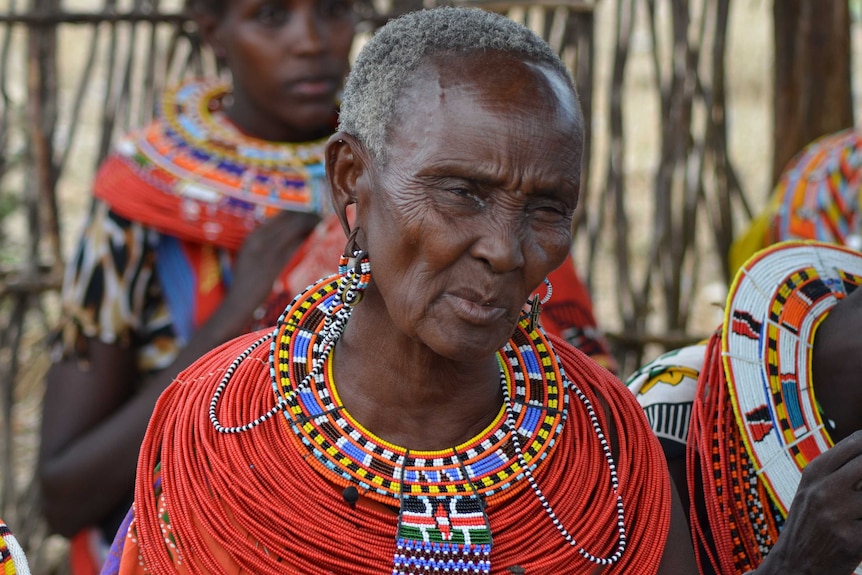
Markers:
point(260, 260)
point(823, 533)
point(266, 251)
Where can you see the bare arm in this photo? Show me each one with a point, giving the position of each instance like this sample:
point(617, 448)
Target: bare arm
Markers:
point(93, 426)
point(678, 557)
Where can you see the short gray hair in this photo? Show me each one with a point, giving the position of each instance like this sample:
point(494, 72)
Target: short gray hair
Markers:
point(385, 64)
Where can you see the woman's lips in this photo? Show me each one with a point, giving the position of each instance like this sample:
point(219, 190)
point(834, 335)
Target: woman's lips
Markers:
point(476, 310)
point(312, 87)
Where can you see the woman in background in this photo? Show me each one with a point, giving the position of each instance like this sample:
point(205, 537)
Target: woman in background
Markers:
point(197, 233)
point(816, 198)
point(761, 424)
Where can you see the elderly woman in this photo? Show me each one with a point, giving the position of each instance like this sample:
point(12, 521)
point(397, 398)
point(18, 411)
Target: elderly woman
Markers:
point(413, 417)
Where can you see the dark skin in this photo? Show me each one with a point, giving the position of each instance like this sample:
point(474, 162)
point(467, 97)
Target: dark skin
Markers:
point(470, 212)
point(823, 532)
point(288, 58)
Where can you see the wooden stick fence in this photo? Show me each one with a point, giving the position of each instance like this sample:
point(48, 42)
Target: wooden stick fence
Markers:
point(126, 52)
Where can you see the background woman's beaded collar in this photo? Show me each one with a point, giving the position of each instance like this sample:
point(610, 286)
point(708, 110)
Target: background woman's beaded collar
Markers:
point(195, 152)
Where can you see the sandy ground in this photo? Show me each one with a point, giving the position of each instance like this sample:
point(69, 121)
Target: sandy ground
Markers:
point(749, 102)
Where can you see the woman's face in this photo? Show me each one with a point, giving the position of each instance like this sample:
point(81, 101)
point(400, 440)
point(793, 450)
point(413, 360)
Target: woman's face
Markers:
point(473, 207)
point(288, 59)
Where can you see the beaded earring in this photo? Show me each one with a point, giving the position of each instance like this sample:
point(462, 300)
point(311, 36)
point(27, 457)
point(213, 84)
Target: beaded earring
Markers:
point(357, 276)
point(536, 306)
point(355, 269)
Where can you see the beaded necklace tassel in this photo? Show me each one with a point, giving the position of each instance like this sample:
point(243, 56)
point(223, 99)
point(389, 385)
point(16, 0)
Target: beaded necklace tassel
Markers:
point(442, 535)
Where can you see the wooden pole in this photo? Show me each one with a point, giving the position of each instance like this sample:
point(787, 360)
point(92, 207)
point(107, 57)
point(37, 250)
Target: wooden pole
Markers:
point(813, 94)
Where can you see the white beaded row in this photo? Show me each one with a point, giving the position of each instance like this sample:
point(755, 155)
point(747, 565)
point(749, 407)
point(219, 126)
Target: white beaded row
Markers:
point(333, 328)
point(279, 406)
point(548, 293)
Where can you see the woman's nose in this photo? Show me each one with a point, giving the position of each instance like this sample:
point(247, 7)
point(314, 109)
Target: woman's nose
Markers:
point(305, 33)
point(501, 246)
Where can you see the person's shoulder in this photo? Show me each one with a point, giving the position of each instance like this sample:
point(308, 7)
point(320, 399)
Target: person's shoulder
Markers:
point(669, 378)
point(233, 373)
point(575, 360)
point(253, 346)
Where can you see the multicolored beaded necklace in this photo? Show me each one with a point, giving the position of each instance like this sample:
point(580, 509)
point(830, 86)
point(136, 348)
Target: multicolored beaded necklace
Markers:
point(441, 495)
point(201, 147)
point(192, 173)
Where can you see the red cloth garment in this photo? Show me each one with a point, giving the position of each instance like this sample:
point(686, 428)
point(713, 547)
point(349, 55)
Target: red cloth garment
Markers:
point(86, 553)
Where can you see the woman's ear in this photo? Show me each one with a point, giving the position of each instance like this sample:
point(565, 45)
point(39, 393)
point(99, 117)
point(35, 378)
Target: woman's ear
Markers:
point(347, 171)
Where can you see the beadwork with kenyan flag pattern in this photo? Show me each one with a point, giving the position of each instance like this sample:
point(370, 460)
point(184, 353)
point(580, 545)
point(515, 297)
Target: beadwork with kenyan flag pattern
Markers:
point(441, 524)
point(267, 497)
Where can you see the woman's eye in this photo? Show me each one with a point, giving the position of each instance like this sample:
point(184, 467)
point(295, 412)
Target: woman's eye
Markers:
point(271, 15)
point(551, 212)
point(552, 215)
point(468, 195)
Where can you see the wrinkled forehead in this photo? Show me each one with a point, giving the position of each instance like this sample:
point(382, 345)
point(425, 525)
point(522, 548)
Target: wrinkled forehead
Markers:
point(506, 82)
point(494, 118)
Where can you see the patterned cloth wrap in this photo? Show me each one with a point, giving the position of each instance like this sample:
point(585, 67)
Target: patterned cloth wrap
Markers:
point(271, 500)
point(775, 304)
point(12, 559)
point(666, 388)
point(816, 198)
